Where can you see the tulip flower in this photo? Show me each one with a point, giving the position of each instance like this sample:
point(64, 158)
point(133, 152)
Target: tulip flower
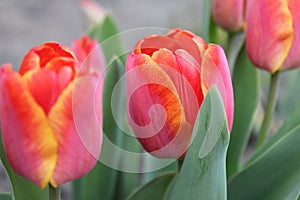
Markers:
point(93, 11)
point(167, 78)
point(229, 14)
point(273, 34)
point(49, 134)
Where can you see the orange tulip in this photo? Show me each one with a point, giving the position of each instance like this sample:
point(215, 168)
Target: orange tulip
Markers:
point(167, 78)
point(42, 139)
point(273, 34)
point(229, 14)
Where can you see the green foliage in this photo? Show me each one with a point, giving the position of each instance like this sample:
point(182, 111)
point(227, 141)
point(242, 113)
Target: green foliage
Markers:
point(246, 94)
point(274, 171)
point(5, 196)
point(203, 174)
point(107, 35)
point(155, 189)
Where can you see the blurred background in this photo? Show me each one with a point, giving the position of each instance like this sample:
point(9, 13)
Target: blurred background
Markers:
point(24, 24)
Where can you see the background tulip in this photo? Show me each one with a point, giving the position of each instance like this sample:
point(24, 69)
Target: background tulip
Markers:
point(167, 78)
point(229, 14)
point(42, 140)
point(273, 34)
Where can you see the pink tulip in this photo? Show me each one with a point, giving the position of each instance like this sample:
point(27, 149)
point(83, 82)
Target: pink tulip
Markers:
point(229, 14)
point(42, 139)
point(167, 78)
point(273, 34)
point(93, 11)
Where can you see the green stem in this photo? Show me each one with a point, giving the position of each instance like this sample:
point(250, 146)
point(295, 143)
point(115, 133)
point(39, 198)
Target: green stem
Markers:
point(54, 193)
point(269, 111)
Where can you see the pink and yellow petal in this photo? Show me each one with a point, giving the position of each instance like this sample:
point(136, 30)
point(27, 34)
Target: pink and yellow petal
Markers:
point(76, 129)
point(185, 75)
point(42, 85)
point(269, 39)
point(147, 87)
point(185, 40)
point(215, 71)
point(33, 153)
point(155, 42)
point(293, 58)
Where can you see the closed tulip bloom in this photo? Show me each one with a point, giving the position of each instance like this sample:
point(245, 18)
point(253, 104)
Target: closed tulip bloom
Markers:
point(229, 14)
point(42, 139)
point(167, 78)
point(273, 34)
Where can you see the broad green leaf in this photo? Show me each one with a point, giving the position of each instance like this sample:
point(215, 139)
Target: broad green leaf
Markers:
point(21, 188)
point(274, 175)
point(155, 189)
point(203, 174)
point(5, 196)
point(102, 180)
point(107, 35)
point(246, 96)
point(291, 123)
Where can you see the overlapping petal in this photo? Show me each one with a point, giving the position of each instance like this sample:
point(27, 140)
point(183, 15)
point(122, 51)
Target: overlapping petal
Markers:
point(51, 112)
point(28, 139)
point(167, 78)
point(269, 39)
point(229, 14)
point(215, 71)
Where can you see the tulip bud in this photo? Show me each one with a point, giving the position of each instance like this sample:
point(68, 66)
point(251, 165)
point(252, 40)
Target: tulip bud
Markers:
point(93, 11)
point(229, 14)
point(273, 34)
point(38, 106)
point(167, 78)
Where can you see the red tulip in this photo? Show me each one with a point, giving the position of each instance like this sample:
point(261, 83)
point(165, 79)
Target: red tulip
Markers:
point(273, 34)
point(167, 78)
point(229, 14)
point(49, 135)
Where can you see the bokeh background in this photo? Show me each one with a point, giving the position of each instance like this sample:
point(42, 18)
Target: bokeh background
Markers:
point(27, 23)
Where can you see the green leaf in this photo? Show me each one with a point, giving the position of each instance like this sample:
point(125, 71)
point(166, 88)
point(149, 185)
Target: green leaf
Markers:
point(203, 174)
point(236, 51)
point(5, 196)
point(246, 96)
point(274, 171)
point(291, 122)
point(101, 182)
point(21, 188)
point(107, 35)
point(155, 189)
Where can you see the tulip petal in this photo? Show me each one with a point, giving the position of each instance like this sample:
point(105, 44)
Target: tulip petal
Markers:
point(77, 129)
point(184, 76)
point(230, 14)
point(215, 71)
point(39, 56)
point(189, 42)
point(155, 42)
point(268, 39)
point(293, 58)
point(155, 112)
point(28, 139)
point(42, 85)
